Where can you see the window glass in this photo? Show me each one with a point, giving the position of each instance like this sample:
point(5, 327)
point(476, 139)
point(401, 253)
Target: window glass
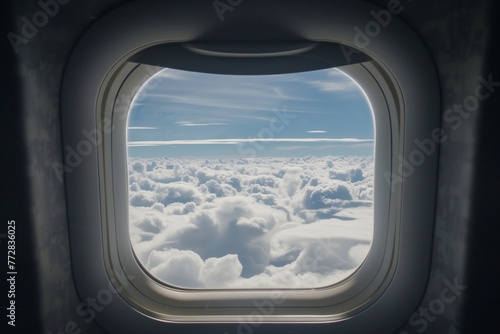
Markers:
point(261, 181)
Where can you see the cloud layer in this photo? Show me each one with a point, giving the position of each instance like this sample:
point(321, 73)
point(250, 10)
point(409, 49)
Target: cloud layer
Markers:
point(250, 223)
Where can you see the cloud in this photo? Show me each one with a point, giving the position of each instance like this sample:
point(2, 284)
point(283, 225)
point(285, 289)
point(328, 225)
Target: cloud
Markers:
point(176, 267)
point(237, 141)
point(178, 192)
point(353, 175)
point(138, 167)
point(198, 124)
point(316, 131)
point(141, 128)
point(249, 223)
point(151, 224)
point(186, 269)
point(326, 196)
point(329, 86)
point(336, 81)
point(170, 74)
point(220, 190)
point(143, 198)
point(220, 272)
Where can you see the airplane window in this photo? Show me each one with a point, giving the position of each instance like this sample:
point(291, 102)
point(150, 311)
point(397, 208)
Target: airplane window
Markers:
point(250, 181)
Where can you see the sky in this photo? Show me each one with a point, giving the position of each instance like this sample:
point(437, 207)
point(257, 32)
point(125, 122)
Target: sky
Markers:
point(250, 181)
point(197, 115)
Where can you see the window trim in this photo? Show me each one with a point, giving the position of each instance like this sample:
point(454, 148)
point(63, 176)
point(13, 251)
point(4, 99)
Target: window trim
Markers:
point(150, 295)
point(84, 92)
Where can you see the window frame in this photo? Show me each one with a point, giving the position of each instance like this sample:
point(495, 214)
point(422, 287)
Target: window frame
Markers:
point(110, 86)
point(305, 304)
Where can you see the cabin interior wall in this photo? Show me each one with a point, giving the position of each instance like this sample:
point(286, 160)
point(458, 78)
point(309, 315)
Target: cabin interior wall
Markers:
point(39, 56)
point(461, 37)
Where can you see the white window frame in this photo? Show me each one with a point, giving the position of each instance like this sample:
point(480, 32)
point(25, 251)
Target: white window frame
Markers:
point(99, 86)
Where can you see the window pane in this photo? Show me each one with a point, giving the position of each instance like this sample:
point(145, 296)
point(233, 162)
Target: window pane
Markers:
point(251, 181)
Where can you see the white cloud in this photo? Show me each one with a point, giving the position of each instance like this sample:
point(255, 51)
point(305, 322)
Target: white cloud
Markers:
point(237, 141)
point(171, 74)
point(176, 267)
point(337, 81)
point(331, 86)
point(198, 124)
point(220, 272)
point(141, 128)
point(263, 222)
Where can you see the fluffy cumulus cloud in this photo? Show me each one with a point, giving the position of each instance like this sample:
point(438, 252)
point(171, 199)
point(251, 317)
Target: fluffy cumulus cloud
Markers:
point(251, 223)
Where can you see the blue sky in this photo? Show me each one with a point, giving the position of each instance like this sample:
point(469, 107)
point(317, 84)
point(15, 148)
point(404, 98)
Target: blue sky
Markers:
point(196, 115)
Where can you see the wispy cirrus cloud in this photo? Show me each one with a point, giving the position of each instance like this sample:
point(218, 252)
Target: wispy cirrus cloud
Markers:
point(335, 81)
point(199, 124)
point(237, 141)
point(231, 102)
point(217, 111)
point(142, 128)
point(330, 86)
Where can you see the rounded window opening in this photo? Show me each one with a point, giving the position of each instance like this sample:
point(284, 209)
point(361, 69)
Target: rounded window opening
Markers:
point(251, 181)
